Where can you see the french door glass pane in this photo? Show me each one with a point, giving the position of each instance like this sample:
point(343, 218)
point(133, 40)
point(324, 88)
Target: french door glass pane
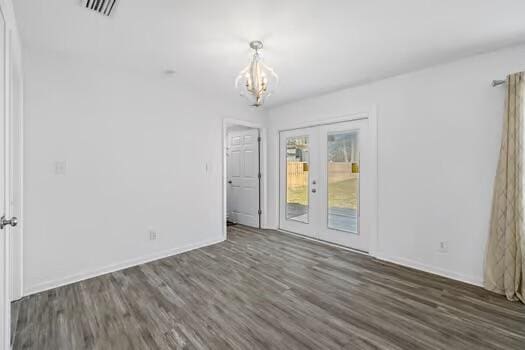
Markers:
point(297, 179)
point(343, 181)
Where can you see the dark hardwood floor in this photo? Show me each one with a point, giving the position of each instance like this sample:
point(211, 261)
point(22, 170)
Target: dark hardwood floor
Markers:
point(267, 290)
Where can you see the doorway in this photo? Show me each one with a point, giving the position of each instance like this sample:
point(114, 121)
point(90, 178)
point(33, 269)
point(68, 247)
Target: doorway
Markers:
point(243, 175)
point(326, 183)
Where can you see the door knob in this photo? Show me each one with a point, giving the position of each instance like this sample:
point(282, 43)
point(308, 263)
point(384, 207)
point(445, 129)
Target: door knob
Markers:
point(229, 181)
point(314, 190)
point(4, 222)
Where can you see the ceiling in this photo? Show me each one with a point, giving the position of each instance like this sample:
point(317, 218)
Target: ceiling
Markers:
point(315, 46)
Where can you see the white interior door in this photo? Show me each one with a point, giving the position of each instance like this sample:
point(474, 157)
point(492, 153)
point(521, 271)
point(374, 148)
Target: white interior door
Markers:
point(326, 183)
point(243, 177)
point(5, 304)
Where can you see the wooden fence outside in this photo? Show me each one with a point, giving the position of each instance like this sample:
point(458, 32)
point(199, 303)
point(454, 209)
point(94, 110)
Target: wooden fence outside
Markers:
point(297, 173)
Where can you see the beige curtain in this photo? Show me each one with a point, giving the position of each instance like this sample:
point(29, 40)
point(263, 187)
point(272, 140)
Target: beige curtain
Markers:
point(505, 260)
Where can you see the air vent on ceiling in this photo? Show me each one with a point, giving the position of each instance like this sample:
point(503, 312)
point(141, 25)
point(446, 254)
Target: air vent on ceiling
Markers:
point(104, 7)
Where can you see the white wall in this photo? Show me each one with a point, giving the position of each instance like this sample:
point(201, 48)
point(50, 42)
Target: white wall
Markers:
point(134, 145)
point(141, 153)
point(438, 141)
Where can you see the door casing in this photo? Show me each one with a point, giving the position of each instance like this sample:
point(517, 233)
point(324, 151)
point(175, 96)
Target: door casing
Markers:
point(16, 133)
point(5, 256)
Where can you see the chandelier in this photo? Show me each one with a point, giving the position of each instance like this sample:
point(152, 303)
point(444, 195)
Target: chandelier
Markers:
point(257, 81)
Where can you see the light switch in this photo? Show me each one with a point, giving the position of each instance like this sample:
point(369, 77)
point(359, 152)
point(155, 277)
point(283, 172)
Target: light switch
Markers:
point(60, 167)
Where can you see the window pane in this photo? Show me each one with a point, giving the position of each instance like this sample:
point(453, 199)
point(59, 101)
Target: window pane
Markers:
point(297, 171)
point(343, 181)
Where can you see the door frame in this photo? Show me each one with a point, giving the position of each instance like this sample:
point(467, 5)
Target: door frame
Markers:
point(228, 122)
point(12, 54)
point(17, 243)
point(371, 115)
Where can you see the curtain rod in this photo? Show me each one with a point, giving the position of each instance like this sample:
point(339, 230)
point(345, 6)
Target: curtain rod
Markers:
point(498, 82)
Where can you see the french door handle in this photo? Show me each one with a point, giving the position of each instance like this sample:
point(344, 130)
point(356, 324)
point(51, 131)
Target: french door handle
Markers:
point(4, 222)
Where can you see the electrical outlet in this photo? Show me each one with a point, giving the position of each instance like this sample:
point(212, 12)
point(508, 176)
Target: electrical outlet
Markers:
point(60, 167)
point(153, 235)
point(443, 247)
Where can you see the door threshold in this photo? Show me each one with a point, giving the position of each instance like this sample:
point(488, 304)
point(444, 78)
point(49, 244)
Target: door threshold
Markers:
point(324, 242)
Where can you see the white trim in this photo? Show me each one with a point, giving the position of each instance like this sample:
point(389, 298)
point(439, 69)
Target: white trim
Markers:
point(17, 243)
point(331, 120)
point(21, 194)
point(6, 169)
point(373, 246)
point(43, 286)
point(398, 261)
point(227, 122)
point(431, 269)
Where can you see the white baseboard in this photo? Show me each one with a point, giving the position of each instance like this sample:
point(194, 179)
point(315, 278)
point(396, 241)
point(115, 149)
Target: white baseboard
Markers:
point(170, 252)
point(118, 266)
point(402, 261)
point(431, 269)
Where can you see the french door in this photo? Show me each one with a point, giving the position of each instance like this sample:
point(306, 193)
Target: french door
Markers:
point(325, 183)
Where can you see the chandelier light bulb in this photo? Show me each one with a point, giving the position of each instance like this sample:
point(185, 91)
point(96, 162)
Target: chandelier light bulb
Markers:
point(257, 81)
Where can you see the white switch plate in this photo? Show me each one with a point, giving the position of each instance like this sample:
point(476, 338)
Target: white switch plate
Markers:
point(153, 235)
point(60, 167)
point(443, 247)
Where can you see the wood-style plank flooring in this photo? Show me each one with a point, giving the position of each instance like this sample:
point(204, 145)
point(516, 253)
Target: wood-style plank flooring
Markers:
point(268, 290)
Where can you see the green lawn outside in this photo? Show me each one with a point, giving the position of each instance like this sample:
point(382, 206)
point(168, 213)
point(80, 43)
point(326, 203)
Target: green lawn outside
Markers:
point(342, 194)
